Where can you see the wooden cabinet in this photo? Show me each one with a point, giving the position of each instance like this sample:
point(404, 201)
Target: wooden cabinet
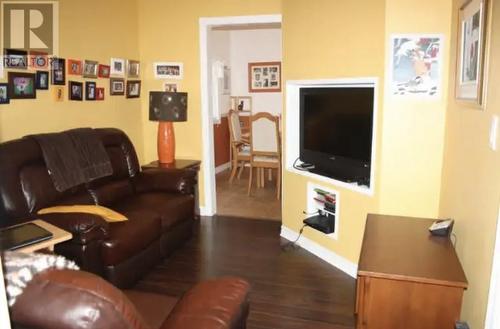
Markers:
point(406, 277)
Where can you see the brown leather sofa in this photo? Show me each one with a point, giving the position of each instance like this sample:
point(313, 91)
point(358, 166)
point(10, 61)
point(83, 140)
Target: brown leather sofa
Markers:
point(66, 299)
point(159, 206)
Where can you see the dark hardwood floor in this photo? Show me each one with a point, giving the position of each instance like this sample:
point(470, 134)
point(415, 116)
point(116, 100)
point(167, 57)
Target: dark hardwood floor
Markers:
point(293, 289)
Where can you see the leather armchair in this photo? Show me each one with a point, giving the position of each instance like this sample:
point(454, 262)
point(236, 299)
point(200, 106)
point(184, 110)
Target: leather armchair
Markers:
point(67, 299)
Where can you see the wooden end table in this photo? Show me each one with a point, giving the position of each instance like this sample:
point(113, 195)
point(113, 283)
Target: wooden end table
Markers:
point(58, 236)
point(180, 164)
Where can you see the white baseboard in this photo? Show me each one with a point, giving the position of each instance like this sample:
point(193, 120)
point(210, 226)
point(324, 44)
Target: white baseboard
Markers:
point(205, 212)
point(222, 167)
point(328, 256)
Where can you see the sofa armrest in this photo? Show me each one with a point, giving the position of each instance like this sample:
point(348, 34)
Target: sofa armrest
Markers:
point(213, 304)
point(72, 300)
point(176, 181)
point(84, 227)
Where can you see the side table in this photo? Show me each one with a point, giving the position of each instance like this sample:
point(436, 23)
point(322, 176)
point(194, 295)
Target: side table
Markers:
point(180, 164)
point(58, 236)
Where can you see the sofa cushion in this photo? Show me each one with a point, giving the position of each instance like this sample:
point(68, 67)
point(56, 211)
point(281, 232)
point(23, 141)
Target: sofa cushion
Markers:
point(128, 238)
point(172, 208)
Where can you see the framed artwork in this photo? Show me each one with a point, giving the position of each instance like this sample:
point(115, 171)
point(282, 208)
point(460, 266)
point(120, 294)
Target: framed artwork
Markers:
point(58, 71)
point(90, 69)
point(415, 67)
point(170, 87)
point(168, 70)
point(99, 92)
point(4, 93)
point(22, 85)
point(15, 59)
point(470, 57)
point(38, 60)
point(103, 71)
point(75, 92)
point(58, 94)
point(133, 88)
point(117, 67)
point(90, 91)
point(264, 77)
point(116, 87)
point(42, 80)
point(133, 69)
point(75, 67)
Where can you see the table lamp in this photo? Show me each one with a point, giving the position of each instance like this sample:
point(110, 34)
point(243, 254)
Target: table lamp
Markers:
point(167, 108)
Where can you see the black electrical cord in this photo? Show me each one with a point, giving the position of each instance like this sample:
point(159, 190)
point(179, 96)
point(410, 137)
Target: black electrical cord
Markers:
point(295, 166)
point(293, 244)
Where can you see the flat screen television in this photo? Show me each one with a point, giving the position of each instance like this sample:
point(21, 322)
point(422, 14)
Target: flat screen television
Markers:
point(336, 129)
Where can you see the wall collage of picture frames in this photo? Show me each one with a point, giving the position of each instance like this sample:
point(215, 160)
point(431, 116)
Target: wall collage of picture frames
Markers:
point(29, 72)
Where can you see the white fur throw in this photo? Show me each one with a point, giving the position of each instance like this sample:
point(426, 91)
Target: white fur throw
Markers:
point(20, 268)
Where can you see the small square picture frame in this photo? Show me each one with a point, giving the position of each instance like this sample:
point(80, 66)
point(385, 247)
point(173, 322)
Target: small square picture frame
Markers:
point(117, 87)
point(170, 87)
point(99, 94)
point(4, 94)
point(133, 88)
point(58, 71)
point(42, 80)
point(58, 93)
point(38, 60)
point(15, 59)
point(117, 67)
point(75, 91)
point(168, 70)
point(133, 69)
point(75, 67)
point(22, 85)
point(90, 91)
point(103, 71)
point(90, 69)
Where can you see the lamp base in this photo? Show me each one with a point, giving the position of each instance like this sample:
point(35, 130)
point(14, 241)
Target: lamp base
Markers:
point(166, 142)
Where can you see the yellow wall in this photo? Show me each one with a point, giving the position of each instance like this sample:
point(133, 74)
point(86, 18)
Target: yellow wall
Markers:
point(94, 30)
point(413, 130)
point(332, 39)
point(169, 31)
point(329, 39)
point(471, 179)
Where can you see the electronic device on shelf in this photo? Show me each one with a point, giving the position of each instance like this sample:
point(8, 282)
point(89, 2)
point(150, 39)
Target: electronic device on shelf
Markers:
point(323, 222)
point(19, 236)
point(336, 131)
point(442, 227)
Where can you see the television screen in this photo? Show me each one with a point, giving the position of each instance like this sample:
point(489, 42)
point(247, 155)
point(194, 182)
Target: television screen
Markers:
point(337, 125)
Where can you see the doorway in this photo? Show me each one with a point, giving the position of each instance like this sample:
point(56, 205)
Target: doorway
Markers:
point(227, 46)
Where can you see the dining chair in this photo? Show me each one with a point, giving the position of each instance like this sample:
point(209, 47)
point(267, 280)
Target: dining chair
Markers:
point(240, 146)
point(265, 148)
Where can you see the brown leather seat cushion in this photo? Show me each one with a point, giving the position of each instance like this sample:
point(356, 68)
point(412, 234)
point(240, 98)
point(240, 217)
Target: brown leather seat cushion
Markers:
point(171, 208)
point(128, 238)
point(153, 307)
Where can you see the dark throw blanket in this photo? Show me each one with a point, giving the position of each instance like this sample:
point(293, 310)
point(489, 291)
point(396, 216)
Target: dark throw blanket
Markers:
point(74, 157)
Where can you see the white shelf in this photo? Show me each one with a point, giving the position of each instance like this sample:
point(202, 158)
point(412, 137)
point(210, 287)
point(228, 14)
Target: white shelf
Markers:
point(312, 205)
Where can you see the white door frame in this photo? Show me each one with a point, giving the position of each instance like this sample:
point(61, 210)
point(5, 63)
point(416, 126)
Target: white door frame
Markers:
point(208, 162)
point(493, 311)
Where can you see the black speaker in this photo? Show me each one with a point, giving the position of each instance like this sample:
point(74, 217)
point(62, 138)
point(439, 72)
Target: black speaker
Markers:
point(167, 106)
